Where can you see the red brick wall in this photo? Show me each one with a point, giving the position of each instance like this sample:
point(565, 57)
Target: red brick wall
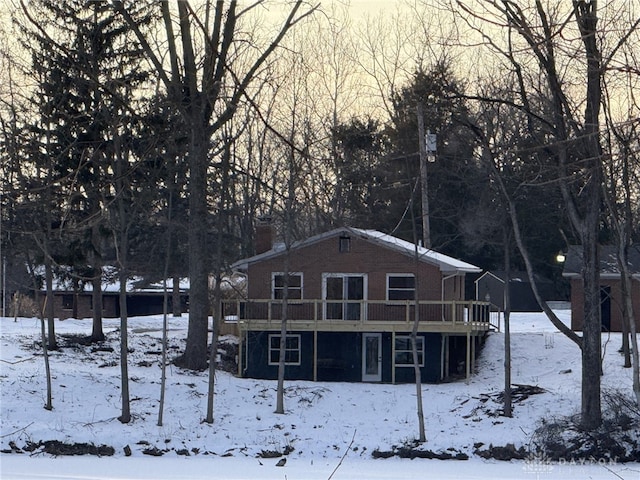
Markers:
point(83, 306)
point(577, 304)
point(363, 258)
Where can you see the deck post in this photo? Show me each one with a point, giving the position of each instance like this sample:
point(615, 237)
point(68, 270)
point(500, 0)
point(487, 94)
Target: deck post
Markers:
point(315, 354)
point(442, 354)
point(239, 350)
point(393, 357)
point(473, 353)
point(468, 362)
point(447, 356)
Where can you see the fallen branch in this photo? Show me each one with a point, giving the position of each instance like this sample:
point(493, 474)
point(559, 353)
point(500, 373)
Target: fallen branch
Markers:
point(19, 361)
point(612, 472)
point(17, 431)
point(343, 456)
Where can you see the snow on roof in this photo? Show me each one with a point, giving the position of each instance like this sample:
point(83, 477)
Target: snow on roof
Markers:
point(608, 262)
point(446, 263)
point(111, 283)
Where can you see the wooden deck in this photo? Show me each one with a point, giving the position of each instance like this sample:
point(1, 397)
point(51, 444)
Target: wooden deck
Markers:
point(452, 317)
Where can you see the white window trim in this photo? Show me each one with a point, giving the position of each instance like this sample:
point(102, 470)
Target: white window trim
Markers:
point(419, 341)
point(365, 290)
point(288, 335)
point(273, 285)
point(365, 281)
point(410, 275)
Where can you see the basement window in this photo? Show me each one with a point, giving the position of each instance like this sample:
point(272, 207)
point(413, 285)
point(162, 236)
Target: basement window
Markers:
point(292, 352)
point(404, 351)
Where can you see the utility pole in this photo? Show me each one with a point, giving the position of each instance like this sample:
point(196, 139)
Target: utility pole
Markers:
point(427, 147)
point(3, 263)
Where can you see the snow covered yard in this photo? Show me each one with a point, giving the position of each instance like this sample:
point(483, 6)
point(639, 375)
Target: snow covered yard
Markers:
point(327, 425)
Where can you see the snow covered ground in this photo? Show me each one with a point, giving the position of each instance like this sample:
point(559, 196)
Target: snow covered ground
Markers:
point(330, 429)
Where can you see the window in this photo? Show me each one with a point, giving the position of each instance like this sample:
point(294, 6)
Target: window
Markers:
point(401, 287)
point(67, 302)
point(294, 287)
point(404, 352)
point(344, 295)
point(345, 244)
point(291, 353)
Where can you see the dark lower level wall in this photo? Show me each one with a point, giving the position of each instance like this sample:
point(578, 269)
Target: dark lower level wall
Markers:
point(340, 357)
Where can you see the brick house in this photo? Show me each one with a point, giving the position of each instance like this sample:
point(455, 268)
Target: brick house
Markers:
point(147, 300)
point(350, 308)
point(610, 291)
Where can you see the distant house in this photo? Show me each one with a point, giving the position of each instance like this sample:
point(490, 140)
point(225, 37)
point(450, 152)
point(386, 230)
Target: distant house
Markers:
point(490, 286)
point(610, 291)
point(350, 310)
point(141, 300)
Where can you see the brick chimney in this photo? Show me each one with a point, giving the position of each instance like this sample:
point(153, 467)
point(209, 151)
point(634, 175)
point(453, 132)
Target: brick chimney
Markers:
point(263, 240)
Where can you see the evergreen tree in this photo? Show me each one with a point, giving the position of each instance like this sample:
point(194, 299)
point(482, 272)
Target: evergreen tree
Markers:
point(455, 180)
point(87, 68)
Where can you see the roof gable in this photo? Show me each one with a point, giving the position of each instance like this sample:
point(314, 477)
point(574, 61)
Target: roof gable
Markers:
point(444, 262)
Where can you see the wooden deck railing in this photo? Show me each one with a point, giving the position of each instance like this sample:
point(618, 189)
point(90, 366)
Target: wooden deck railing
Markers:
point(463, 313)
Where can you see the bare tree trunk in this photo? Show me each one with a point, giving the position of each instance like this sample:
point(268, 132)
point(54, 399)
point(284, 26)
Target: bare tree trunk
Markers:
point(97, 333)
point(165, 312)
point(176, 296)
point(47, 254)
point(587, 19)
point(422, 436)
point(508, 410)
point(163, 357)
point(121, 233)
point(43, 336)
point(219, 272)
point(626, 350)
point(288, 227)
point(635, 360)
point(283, 339)
point(125, 416)
point(195, 354)
point(213, 353)
point(45, 354)
point(48, 311)
point(591, 338)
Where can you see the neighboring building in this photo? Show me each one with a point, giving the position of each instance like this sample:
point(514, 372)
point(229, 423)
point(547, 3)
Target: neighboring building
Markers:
point(610, 291)
point(147, 300)
point(490, 286)
point(351, 308)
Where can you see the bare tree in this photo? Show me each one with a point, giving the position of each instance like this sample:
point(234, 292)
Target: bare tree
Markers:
point(570, 123)
point(619, 193)
point(206, 89)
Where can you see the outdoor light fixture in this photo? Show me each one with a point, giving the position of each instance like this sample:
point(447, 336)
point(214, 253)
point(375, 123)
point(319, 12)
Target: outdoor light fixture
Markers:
point(560, 257)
